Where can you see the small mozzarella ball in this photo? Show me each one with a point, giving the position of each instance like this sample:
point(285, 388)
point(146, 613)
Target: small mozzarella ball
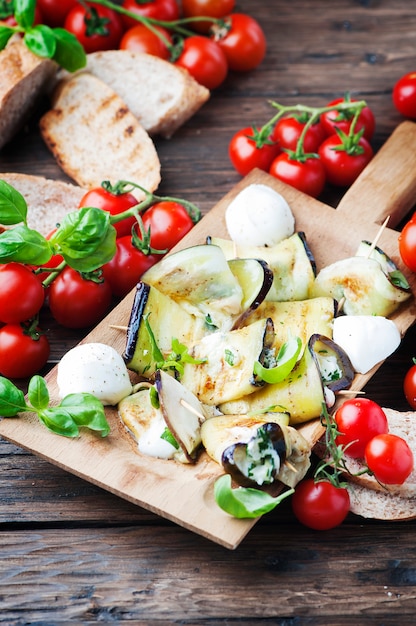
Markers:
point(259, 216)
point(367, 339)
point(94, 368)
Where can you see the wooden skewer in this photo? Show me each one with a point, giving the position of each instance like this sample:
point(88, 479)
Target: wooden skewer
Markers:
point(118, 327)
point(349, 392)
point(291, 467)
point(191, 409)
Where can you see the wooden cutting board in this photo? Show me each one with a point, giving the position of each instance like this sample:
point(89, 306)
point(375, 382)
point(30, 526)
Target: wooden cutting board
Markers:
point(184, 494)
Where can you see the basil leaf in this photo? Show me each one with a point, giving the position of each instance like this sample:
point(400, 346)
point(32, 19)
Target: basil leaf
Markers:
point(24, 245)
point(245, 503)
point(24, 12)
point(82, 231)
point(286, 360)
point(69, 53)
point(38, 393)
point(5, 33)
point(13, 206)
point(167, 436)
point(86, 410)
point(12, 399)
point(59, 421)
point(101, 255)
point(41, 41)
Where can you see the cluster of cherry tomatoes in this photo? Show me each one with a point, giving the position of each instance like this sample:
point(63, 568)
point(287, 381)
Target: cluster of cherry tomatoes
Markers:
point(76, 300)
point(167, 29)
point(334, 149)
point(363, 433)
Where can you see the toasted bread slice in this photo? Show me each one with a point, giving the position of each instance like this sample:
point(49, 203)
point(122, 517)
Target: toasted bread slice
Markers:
point(24, 77)
point(161, 95)
point(378, 505)
point(94, 136)
point(48, 200)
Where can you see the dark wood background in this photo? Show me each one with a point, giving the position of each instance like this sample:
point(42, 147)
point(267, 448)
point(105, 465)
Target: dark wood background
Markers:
point(71, 552)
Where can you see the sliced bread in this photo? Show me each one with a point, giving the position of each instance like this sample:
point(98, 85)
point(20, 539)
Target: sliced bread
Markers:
point(48, 200)
point(378, 505)
point(161, 95)
point(94, 136)
point(24, 77)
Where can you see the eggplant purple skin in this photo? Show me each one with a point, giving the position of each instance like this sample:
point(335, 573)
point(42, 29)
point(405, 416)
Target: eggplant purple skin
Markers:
point(274, 432)
point(267, 345)
point(139, 304)
point(342, 358)
point(309, 254)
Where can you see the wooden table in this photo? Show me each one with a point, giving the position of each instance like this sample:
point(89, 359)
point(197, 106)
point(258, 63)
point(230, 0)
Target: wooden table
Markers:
point(71, 552)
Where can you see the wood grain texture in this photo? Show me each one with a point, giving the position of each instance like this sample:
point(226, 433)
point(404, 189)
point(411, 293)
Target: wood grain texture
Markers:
point(72, 552)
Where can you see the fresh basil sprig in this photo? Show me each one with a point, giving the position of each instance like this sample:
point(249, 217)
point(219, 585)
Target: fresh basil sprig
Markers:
point(76, 410)
point(51, 43)
point(245, 502)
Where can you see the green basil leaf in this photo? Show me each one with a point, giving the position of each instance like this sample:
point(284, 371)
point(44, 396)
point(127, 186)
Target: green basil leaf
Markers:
point(38, 393)
point(245, 502)
point(24, 245)
point(69, 53)
point(24, 12)
point(13, 206)
point(86, 410)
point(5, 33)
point(82, 231)
point(41, 41)
point(98, 257)
point(12, 399)
point(286, 360)
point(59, 421)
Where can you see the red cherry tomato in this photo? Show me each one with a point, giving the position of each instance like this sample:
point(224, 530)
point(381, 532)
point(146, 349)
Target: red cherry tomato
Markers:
point(341, 167)
point(166, 10)
point(289, 129)
point(54, 12)
point(359, 420)
point(126, 267)
point(21, 293)
point(409, 386)
point(204, 60)
point(168, 223)
point(114, 203)
point(244, 44)
point(407, 244)
point(206, 8)
point(389, 458)
point(343, 119)
point(404, 95)
point(305, 175)
point(96, 27)
point(140, 39)
point(321, 505)
point(22, 353)
point(245, 155)
point(76, 302)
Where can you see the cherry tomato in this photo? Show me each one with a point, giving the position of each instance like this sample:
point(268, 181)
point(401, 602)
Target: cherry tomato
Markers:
point(245, 155)
point(389, 458)
point(288, 130)
point(341, 167)
point(404, 95)
point(126, 267)
point(321, 505)
point(407, 244)
point(21, 294)
point(76, 302)
point(22, 352)
point(409, 386)
point(206, 8)
point(204, 60)
point(54, 12)
point(95, 27)
point(359, 420)
point(114, 203)
point(305, 175)
point(166, 10)
point(244, 44)
point(140, 39)
point(168, 223)
point(343, 119)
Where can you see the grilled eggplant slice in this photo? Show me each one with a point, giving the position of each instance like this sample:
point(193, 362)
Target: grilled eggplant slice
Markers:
point(201, 281)
point(167, 320)
point(226, 372)
point(291, 262)
point(337, 371)
point(255, 278)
